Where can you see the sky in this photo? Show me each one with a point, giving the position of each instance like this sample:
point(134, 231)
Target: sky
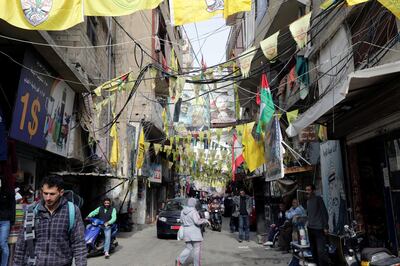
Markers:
point(212, 47)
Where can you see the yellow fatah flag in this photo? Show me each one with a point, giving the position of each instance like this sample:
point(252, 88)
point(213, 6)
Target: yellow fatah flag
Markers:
point(392, 5)
point(42, 15)
point(299, 30)
point(117, 7)
point(355, 2)
point(189, 11)
point(326, 4)
point(270, 47)
point(291, 116)
point(157, 148)
point(253, 151)
point(245, 60)
point(114, 158)
point(124, 82)
point(146, 146)
point(235, 6)
point(140, 151)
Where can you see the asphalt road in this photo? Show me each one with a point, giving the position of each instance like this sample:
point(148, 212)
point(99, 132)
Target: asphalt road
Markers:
point(142, 248)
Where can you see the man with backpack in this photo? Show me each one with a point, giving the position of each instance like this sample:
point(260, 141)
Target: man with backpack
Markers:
point(53, 231)
point(108, 215)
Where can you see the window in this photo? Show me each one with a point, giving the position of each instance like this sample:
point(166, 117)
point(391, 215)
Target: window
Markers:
point(91, 29)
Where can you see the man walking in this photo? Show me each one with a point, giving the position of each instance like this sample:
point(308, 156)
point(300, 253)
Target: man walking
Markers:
point(57, 238)
point(317, 226)
point(245, 206)
point(108, 215)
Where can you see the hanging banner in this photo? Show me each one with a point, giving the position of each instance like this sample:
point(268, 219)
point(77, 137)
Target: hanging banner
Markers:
point(141, 151)
point(233, 6)
point(392, 5)
point(194, 114)
point(117, 7)
point(42, 15)
point(189, 11)
point(155, 175)
point(43, 108)
point(332, 184)
point(355, 2)
point(270, 47)
point(245, 59)
point(222, 104)
point(274, 151)
point(299, 30)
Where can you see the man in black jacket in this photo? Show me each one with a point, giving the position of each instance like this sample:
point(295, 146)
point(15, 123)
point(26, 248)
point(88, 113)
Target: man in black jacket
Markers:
point(317, 226)
point(7, 218)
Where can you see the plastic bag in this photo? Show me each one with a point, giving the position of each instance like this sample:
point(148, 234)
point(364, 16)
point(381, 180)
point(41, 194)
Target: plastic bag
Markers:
point(180, 234)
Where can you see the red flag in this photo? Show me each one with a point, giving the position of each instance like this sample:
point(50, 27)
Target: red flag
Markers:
point(237, 155)
point(258, 99)
point(203, 64)
point(264, 81)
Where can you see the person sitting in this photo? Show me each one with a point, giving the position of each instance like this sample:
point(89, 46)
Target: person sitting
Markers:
point(274, 228)
point(108, 215)
point(285, 235)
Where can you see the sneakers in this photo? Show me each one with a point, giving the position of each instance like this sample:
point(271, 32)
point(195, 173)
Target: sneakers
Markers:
point(240, 240)
point(268, 243)
point(106, 255)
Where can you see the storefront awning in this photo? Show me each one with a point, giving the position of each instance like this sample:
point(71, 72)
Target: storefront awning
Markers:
point(65, 173)
point(356, 80)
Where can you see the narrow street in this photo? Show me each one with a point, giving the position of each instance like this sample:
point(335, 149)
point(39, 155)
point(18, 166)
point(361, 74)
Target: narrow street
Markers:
point(219, 248)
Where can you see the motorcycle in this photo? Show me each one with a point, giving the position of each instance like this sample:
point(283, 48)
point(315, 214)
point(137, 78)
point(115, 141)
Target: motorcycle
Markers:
point(216, 216)
point(94, 237)
point(366, 256)
point(216, 220)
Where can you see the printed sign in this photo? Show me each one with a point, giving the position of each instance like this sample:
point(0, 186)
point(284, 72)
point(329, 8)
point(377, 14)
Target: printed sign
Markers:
point(222, 105)
point(274, 151)
point(155, 173)
point(332, 184)
point(43, 108)
point(194, 114)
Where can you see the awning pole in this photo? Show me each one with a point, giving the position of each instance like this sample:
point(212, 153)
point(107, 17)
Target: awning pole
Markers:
point(293, 151)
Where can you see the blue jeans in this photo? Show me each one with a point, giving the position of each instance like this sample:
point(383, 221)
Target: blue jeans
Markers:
point(107, 238)
point(4, 231)
point(244, 227)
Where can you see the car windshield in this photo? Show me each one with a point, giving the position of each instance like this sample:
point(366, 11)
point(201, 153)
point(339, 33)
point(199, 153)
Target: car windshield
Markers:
point(173, 205)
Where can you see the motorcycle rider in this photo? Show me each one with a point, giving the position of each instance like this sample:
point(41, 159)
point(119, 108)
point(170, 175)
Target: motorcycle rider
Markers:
point(214, 205)
point(108, 215)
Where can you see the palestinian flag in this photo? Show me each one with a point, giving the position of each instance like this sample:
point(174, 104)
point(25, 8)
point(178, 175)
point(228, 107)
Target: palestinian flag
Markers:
point(267, 108)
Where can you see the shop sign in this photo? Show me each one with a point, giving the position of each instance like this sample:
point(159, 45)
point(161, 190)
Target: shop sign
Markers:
point(332, 184)
point(155, 173)
point(43, 108)
point(308, 134)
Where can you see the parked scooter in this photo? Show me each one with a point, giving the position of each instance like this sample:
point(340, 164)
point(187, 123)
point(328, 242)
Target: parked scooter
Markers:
point(94, 237)
point(366, 256)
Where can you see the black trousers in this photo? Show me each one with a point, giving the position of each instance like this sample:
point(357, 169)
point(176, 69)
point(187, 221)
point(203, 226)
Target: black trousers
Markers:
point(234, 224)
point(317, 240)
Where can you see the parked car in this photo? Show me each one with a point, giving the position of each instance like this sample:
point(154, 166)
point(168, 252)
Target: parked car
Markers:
point(168, 222)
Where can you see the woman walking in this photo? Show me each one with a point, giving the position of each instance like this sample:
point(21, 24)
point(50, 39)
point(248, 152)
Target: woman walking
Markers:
point(191, 222)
